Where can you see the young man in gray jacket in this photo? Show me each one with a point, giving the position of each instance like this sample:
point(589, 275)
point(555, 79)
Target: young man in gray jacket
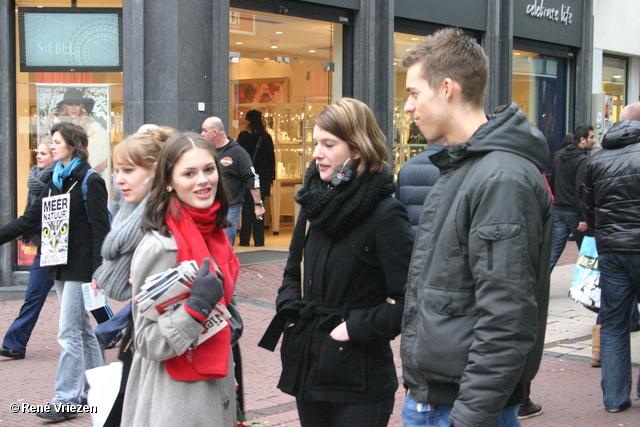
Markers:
point(478, 287)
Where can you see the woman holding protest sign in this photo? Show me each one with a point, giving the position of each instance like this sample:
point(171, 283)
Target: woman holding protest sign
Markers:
point(73, 232)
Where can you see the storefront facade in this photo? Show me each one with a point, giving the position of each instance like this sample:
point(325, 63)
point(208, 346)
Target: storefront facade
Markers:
point(185, 61)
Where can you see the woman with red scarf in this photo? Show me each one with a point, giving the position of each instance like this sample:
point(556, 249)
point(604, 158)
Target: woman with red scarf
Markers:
point(173, 381)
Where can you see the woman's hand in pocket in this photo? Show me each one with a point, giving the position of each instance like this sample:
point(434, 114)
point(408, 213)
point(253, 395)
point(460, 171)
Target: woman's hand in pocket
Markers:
point(340, 332)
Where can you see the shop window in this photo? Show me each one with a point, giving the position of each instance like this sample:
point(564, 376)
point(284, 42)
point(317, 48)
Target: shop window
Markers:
point(288, 68)
point(614, 78)
point(407, 138)
point(40, 103)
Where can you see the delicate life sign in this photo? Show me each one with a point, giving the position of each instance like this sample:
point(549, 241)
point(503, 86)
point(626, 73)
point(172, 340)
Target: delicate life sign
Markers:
point(55, 230)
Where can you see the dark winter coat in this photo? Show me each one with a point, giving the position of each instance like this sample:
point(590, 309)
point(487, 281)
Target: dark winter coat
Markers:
point(478, 288)
point(415, 179)
point(85, 238)
point(360, 278)
point(265, 159)
point(566, 178)
point(611, 193)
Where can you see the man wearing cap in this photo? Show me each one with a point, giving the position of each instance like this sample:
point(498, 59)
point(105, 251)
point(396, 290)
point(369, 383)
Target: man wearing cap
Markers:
point(238, 170)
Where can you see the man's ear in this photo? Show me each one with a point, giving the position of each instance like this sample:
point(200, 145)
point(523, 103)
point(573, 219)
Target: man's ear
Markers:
point(449, 87)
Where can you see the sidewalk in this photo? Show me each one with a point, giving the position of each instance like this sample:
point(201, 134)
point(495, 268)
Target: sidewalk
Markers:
point(567, 387)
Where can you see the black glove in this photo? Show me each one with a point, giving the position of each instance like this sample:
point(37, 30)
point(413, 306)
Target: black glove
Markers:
point(206, 290)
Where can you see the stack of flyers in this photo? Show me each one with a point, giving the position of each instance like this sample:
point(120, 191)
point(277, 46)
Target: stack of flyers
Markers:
point(168, 290)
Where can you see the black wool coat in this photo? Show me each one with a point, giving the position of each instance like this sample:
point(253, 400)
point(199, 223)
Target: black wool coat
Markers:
point(358, 278)
point(85, 238)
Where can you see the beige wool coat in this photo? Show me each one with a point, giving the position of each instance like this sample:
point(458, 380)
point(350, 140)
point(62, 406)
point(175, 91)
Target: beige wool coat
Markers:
point(152, 397)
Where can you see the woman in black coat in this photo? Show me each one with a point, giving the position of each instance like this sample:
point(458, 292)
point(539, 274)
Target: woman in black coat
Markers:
point(258, 143)
point(82, 236)
point(356, 241)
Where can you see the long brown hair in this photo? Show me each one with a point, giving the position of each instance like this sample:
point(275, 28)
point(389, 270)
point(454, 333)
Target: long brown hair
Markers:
point(160, 199)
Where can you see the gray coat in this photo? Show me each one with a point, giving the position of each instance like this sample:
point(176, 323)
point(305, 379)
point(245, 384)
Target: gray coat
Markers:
point(478, 289)
point(152, 397)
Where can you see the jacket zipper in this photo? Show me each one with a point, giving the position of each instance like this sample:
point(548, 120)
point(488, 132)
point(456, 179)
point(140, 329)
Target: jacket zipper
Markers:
point(490, 255)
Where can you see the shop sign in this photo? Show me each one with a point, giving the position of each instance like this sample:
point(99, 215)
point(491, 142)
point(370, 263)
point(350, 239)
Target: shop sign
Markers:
point(242, 23)
point(70, 39)
point(539, 10)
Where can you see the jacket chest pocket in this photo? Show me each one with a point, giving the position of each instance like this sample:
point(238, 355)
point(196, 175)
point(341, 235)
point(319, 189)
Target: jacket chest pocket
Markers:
point(364, 250)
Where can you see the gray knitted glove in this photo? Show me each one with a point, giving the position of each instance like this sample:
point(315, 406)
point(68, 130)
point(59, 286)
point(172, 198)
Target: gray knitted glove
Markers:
point(206, 290)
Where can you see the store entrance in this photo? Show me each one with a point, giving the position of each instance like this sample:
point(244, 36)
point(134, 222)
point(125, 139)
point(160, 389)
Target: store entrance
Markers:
point(283, 67)
point(540, 89)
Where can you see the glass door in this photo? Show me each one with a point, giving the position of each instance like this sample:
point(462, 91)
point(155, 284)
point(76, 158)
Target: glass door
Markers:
point(282, 66)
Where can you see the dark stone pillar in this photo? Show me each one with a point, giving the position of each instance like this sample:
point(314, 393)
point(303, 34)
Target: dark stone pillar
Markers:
point(498, 44)
point(7, 132)
point(373, 62)
point(584, 70)
point(175, 55)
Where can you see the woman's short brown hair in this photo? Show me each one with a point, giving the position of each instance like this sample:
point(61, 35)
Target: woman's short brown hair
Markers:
point(353, 121)
point(75, 137)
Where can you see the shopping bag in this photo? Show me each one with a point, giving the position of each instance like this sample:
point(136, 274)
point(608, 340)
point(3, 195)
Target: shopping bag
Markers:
point(585, 287)
point(104, 383)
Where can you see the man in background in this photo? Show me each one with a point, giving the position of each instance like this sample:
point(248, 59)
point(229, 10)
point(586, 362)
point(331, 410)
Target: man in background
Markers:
point(238, 172)
point(611, 206)
point(565, 180)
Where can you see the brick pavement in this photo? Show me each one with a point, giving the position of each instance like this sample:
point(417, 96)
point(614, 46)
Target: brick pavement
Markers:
point(566, 386)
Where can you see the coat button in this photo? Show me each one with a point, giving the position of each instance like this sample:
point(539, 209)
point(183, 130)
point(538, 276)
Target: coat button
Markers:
point(449, 310)
point(226, 403)
point(341, 348)
point(366, 248)
point(192, 332)
point(498, 234)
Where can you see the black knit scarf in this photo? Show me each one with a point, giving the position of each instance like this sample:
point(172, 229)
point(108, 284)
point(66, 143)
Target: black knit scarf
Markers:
point(337, 210)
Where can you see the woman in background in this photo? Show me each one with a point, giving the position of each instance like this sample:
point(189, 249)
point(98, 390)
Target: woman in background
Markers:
point(82, 235)
point(135, 159)
point(15, 341)
point(340, 315)
point(259, 145)
point(172, 381)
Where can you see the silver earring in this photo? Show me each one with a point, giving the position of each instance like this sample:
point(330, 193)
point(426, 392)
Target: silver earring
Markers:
point(169, 189)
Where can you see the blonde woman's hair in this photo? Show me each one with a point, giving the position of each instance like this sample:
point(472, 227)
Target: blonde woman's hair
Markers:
point(353, 121)
point(143, 148)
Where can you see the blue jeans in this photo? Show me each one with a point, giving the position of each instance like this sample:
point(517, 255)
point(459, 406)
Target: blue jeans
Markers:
point(620, 284)
point(439, 415)
point(564, 223)
point(38, 288)
point(80, 350)
point(234, 218)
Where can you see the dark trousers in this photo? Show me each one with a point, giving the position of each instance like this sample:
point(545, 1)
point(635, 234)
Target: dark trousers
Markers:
point(250, 223)
point(328, 414)
point(38, 288)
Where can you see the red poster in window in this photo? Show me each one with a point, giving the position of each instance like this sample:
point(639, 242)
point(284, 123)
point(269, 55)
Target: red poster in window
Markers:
point(26, 253)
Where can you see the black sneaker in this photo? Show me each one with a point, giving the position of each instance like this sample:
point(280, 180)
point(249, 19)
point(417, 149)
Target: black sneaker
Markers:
point(529, 409)
point(11, 354)
point(62, 414)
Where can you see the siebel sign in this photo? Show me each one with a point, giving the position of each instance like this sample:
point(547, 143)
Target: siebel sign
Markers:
point(539, 10)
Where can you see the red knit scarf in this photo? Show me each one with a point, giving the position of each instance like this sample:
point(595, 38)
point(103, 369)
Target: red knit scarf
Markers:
point(197, 237)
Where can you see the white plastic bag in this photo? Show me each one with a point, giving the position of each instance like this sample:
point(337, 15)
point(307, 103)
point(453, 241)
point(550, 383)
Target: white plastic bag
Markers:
point(104, 385)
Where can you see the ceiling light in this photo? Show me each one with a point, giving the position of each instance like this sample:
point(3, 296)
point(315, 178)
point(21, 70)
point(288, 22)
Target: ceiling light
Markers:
point(274, 47)
point(313, 51)
point(408, 50)
point(278, 32)
point(238, 42)
point(617, 76)
point(266, 59)
point(415, 38)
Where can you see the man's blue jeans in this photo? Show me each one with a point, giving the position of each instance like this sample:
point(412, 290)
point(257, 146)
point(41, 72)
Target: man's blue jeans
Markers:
point(439, 415)
point(620, 284)
point(564, 223)
point(38, 288)
point(234, 218)
point(80, 349)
